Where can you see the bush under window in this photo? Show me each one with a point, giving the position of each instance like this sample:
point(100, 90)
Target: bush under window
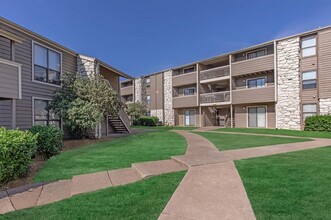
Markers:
point(148, 121)
point(318, 123)
point(50, 140)
point(16, 150)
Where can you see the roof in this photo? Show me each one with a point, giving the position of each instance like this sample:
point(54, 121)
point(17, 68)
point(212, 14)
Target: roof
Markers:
point(56, 45)
point(241, 50)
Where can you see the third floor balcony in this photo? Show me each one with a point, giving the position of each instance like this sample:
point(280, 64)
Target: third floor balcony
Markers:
point(215, 74)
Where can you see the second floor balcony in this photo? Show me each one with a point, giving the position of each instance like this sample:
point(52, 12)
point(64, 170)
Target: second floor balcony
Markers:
point(128, 90)
point(215, 74)
point(215, 98)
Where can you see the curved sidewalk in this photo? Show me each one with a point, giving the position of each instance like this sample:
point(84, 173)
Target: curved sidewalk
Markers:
point(212, 188)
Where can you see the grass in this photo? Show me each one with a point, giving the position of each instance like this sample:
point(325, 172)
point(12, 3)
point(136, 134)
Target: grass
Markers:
point(115, 154)
point(289, 186)
point(164, 128)
point(142, 200)
point(313, 134)
point(236, 141)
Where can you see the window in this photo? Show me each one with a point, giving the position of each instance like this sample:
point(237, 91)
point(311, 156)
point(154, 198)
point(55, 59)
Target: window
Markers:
point(47, 65)
point(44, 117)
point(309, 80)
point(189, 117)
point(256, 83)
point(255, 54)
point(189, 91)
point(148, 81)
point(309, 110)
point(189, 69)
point(257, 117)
point(308, 46)
point(148, 99)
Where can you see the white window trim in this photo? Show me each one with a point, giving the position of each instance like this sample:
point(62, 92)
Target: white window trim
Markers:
point(265, 85)
point(189, 68)
point(303, 118)
point(43, 99)
point(265, 50)
point(302, 80)
point(257, 106)
point(302, 48)
point(188, 89)
point(195, 115)
point(32, 74)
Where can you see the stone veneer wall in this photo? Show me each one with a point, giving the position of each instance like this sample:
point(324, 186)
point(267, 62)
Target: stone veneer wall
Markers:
point(137, 90)
point(288, 108)
point(157, 113)
point(86, 65)
point(325, 106)
point(143, 90)
point(169, 118)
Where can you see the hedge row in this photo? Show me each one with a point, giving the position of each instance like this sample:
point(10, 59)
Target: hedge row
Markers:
point(147, 121)
point(318, 123)
point(17, 149)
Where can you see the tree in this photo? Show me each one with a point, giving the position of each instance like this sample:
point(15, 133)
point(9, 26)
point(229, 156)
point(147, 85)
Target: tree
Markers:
point(83, 102)
point(135, 110)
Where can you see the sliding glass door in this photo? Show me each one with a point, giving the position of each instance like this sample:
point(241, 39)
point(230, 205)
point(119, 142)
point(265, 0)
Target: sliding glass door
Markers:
point(257, 117)
point(189, 117)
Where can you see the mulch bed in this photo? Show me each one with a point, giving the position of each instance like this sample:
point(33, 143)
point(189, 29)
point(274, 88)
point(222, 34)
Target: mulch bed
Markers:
point(37, 164)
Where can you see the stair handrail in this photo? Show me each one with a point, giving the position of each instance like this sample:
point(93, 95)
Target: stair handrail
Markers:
point(124, 118)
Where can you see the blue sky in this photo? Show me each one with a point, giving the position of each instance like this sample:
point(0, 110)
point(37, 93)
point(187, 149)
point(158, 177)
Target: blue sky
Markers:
point(146, 36)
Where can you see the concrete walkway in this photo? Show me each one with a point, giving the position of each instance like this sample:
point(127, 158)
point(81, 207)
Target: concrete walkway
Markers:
point(211, 189)
point(63, 189)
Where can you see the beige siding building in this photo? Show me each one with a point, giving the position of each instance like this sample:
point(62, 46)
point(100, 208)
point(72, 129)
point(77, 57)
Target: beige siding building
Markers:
point(271, 85)
point(30, 71)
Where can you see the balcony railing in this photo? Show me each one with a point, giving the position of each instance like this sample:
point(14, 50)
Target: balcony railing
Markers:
point(218, 72)
point(260, 64)
point(216, 97)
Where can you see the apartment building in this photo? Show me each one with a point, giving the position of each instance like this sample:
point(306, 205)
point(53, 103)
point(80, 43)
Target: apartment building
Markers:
point(30, 71)
point(271, 85)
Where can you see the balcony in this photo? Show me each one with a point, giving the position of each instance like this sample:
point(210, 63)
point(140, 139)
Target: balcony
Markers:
point(215, 74)
point(184, 79)
point(260, 64)
point(185, 101)
point(128, 90)
point(10, 83)
point(215, 98)
point(256, 95)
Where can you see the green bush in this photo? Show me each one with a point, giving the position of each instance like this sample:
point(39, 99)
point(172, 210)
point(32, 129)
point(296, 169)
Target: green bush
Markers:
point(148, 121)
point(50, 140)
point(16, 150)
point(318, 123)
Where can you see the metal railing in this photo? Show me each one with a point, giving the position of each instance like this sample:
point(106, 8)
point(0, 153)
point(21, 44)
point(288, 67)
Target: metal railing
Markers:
point(215, 73)
point(215, 97)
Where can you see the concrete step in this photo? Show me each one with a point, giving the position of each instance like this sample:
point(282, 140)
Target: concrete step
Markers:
point(153, 168)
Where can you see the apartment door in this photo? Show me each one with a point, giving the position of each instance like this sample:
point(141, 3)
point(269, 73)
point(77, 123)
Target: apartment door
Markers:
point(189, 117)
point(257, 117)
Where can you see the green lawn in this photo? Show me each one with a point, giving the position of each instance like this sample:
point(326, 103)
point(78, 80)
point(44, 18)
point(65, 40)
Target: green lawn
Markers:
point(165, 128)
point(236, 141)
point(296, 133)
point(117, 153)
point(142, 200)
point(289, 186)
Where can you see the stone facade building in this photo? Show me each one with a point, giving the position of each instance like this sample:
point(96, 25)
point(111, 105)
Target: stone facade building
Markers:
point(276, 84)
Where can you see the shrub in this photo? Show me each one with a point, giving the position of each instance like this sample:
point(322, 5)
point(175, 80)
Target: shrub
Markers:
point(16, 150)
point(148, 121)
point(50, 140)
point(318, 123)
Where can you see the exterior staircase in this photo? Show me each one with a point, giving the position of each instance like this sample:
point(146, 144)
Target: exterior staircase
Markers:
point(120, 123)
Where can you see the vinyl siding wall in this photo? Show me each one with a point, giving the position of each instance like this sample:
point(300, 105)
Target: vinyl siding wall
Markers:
point(23, 55)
